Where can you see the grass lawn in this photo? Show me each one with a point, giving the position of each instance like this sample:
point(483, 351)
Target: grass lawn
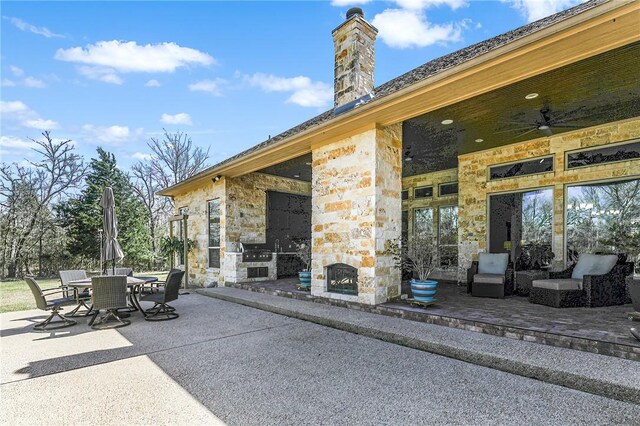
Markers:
point(16, 296)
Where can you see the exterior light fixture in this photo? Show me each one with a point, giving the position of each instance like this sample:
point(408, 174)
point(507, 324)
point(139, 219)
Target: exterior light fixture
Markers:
point(531, 96)
point(446, 122)
point(543, 127)
point(216, 178)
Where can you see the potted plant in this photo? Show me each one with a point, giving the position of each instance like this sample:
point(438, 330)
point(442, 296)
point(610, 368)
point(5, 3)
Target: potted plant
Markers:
point(170, 246)
point(420, 257)
point(303, 252)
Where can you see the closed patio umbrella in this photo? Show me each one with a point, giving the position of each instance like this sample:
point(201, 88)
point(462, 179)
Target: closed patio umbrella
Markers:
point(110, 251)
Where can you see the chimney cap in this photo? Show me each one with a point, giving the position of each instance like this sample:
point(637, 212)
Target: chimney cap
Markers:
point(354, 11)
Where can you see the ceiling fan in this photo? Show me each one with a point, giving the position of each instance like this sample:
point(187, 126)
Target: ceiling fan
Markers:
point(545, 123)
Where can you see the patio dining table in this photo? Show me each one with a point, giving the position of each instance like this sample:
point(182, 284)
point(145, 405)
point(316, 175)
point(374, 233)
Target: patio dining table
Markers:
point(134, 283)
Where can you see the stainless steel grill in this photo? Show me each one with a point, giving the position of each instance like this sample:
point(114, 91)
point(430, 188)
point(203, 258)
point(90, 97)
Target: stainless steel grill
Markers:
point(256, 253)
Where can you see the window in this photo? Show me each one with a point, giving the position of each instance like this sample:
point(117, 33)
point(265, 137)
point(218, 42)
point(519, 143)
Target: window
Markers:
point(214, 233)
point(538, 165)
point(608, 154)
point(424, 192)
point(448, 236)
point(448, 189)
point(404, 195)
point(604, 218)
point(423, 222)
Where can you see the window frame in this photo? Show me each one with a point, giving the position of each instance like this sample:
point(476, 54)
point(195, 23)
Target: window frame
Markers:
point(595, 148)
point(453, 194)
point(209, 246)
point(415, 197)
point(524, 160)
point(440, 245)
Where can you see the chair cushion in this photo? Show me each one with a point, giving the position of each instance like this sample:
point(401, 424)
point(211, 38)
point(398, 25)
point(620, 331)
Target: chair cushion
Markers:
point(558, 284)
point(593, 264)
point(489, 278)
point(153, 297)
point(493, 263)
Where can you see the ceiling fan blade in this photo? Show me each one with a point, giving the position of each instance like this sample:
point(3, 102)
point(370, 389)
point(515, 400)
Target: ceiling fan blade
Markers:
point(525, 133)
point(513, 130)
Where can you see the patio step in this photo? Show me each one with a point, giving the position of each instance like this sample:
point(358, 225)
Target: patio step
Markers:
point(607, 376)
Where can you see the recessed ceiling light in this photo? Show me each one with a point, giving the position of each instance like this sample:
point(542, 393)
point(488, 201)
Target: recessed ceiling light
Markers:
point(408, 158)
point(308, 163)
point(531, 96)
point(447, 121)
point(296, 176)
point(479, 140)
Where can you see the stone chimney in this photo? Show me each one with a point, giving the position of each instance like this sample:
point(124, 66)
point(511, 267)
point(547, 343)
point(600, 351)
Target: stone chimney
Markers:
point(354, 42)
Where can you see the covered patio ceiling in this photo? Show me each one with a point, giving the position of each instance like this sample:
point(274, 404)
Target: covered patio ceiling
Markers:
point(597, 90)
point(594, 91)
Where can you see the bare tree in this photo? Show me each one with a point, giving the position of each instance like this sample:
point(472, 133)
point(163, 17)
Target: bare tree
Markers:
point(27, 193)
point(176, 158)
point(145, 187)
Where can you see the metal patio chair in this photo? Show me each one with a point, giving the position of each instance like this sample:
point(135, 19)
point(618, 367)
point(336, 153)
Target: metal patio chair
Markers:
point(82, 296)
point(109, 293)
point(54, 305)
point(161, 310)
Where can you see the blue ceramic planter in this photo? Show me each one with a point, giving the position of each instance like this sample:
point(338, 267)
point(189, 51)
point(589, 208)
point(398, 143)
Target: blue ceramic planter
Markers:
point(423, 290)
point(305, 280)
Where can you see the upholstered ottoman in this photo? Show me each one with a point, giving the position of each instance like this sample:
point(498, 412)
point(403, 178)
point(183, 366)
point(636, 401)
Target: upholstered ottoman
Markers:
point(558, 293)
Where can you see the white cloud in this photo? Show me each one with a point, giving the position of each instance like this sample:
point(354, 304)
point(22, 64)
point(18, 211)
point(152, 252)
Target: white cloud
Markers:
point(211, 86)
point(109, 135)
point(532, 10)
point(152, 83)
point(13, 107)
point(180, 118)
point(40, 123)
point(13, 143)
point(424, 4)
point(22, 79)
point(341, 3)
point(18, 72)
point(126, 57)
point(305, 92)
point(25, 26)
point(104, 74)
point(400, 28)
point(20, 113)
point(142, 156)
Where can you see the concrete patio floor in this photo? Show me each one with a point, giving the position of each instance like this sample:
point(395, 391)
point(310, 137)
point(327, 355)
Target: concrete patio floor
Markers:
point(223, 362)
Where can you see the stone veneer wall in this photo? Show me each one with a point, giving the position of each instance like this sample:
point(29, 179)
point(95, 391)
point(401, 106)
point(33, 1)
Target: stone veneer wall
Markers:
point(433, 179)
point(356, 210)
point(243, 210)
point(197, 226)
point(475, 188)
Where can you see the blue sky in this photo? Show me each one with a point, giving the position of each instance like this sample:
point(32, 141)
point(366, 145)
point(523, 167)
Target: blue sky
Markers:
point(114, 74)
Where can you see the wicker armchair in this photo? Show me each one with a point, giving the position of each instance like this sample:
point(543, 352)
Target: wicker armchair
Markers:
point(82, 296)
point(54, 305)
point(161, 310)
point(491, 276)
point(109, 293)
point(565, 289)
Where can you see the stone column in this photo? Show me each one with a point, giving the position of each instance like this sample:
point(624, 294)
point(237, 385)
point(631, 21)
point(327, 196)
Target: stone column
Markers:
point(356, 210)
point(558, 227)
